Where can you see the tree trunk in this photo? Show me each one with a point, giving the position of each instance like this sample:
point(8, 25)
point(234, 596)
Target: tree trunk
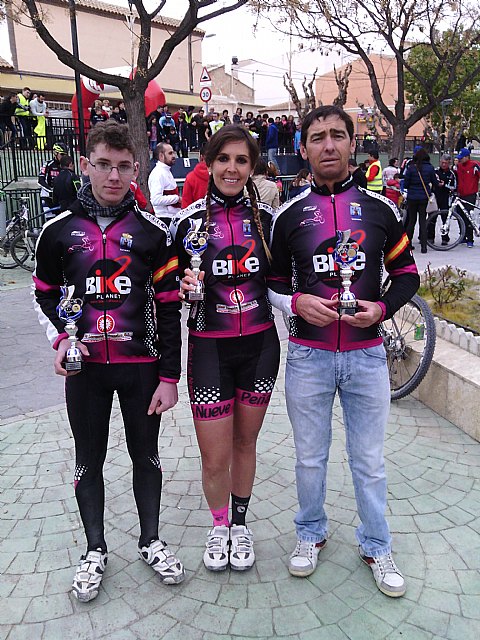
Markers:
point(398, 141)
point(135, 108)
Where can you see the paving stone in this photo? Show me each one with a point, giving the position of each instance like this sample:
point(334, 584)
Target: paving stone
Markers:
point(262, 596)
point(462, 628)
point(13, 610)
point(153, 626)
point(77, 626)
point(30, 585)
point(362, 624)
point(183, 632)
point(324, 633)
point(469, 581)
point(112, 616)
point(212, 616)
point(28, 631)
point(289, 620)
point(469, 605)
point(253, 623)
point(329, 609)
point(435, 599)
point(429, 620)
point(45, 608)
point(409, 632)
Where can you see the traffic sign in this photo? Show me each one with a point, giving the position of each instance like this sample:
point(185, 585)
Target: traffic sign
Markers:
point(205, 77)
point(205, 94)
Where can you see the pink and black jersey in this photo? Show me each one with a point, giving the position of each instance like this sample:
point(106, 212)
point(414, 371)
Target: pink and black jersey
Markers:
point(123, 320)
point(235, 265)
point(303, 240)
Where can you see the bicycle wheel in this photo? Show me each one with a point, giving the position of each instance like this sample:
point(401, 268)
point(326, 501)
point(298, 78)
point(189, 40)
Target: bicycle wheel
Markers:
point(23, 252)
point(409, 339)
point(6, 258)
point(443, 235)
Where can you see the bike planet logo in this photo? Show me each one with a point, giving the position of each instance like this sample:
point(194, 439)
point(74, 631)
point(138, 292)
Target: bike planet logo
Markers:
point(107, 285)
point(326, 270)
point(236, 263)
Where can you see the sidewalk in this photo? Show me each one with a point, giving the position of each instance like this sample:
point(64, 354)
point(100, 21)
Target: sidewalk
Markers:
point(434, 513)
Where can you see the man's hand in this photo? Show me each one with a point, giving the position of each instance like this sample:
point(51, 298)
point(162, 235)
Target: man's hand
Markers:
point(63, 347)
point(370, 313)
point(164, 398)
point(318, 311)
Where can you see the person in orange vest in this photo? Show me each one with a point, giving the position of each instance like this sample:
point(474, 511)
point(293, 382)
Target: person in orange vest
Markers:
point(374, 172)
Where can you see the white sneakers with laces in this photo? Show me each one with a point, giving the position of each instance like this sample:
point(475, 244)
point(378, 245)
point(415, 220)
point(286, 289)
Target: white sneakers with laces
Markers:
point(242, 555)
point(387, 575)
point(89, 574)
point(161, 559)
point(304, 558)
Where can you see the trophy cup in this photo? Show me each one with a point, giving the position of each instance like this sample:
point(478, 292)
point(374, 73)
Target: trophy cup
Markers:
point(195, 243)
point(69, 310)
point(345, 253)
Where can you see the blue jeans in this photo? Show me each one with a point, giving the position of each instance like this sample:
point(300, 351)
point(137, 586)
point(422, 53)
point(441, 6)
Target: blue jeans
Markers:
point(312, 378)
point(271, 153)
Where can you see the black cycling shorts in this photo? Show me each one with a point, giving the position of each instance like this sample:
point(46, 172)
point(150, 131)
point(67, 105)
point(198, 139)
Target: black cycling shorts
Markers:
point(223, 371)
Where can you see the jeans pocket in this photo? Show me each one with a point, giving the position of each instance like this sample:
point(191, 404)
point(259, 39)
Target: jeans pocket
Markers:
point(375, 354)
point(298, 351)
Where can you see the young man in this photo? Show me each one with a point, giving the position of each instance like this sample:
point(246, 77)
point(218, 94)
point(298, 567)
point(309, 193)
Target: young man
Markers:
point(374, 173)
point(25, 119)
point(328, 352)
point(48, 173)
point(163, 189)
point(118, 266)
point(65, 185)
point(468, 177)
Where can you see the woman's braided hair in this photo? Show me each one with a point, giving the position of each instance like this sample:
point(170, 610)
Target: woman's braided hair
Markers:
point(234, 133)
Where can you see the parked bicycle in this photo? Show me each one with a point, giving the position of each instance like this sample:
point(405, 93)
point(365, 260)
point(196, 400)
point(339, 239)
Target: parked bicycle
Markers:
point(15, 226)
point(23, 245)
point(446, 227)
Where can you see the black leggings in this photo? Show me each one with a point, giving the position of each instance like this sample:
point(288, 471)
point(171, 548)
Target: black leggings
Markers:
point(414, 207)
point(89, 396)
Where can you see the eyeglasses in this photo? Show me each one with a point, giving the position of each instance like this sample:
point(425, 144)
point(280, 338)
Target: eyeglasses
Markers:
point(104, 167)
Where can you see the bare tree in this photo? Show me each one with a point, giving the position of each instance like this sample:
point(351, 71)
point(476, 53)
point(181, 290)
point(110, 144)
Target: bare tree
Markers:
point(395, 27)
point(148, 63)
point(342, 78)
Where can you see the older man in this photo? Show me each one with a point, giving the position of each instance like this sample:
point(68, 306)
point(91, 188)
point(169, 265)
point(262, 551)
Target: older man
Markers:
point(164, 194)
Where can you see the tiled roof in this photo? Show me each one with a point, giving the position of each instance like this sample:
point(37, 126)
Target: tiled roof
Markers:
point(107, 7)
point(4, 64)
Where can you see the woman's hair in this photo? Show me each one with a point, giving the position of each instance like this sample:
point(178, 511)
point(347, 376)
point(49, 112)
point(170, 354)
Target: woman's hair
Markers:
point(234, 133)
point(392, 162)
point(260, 168)
point(272, 170)
point(301, 175)
point(420, 157)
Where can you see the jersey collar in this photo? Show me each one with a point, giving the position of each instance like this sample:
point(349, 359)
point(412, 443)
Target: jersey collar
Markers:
point(227, 202)
point(338, 187)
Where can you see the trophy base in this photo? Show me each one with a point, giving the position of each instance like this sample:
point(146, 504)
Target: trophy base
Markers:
point(193, 296)
point(347, 311)
point(73, 366)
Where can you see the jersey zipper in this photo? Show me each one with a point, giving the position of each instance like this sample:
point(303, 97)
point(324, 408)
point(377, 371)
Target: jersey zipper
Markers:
point(104, 278)
point(339, 324)
point(235, 257)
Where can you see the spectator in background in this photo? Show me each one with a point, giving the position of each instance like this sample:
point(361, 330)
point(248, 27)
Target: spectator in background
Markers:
point(389, 172)
point(38, 109)
point(192, 137)
point(271, 143)
point(301, 182)
point(290, 129)
point(106, 107)
point(163, 189)
point(237, 116)
point(97, 115)
point(216, 123)
point(154, 133)
point(468, 176)
point(296, 146)
point(266, 190)
point(419, 179)
point(7, 110)
point(65, 185)
point(22, 113)
point(138, 194)
point(183, 136)
point(392, 189)
point(122, 112)
point(167, 122)
point(357, 173)
point(225, 117)
point(374, 172)
point(196, 182)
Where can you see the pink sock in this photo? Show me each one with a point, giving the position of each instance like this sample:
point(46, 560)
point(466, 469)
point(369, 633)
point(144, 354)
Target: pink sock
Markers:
point(220, 516)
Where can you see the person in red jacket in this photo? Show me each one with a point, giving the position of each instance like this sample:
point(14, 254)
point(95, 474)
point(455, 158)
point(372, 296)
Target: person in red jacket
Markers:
point(196, 182)
point(468, 177)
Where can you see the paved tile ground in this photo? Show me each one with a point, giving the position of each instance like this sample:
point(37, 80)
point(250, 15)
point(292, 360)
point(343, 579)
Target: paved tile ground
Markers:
point(434, 512)
point(434, 505)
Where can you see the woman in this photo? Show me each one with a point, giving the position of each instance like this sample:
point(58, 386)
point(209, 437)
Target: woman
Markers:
point(233, 351)
point(301, 182)
point(419, 179)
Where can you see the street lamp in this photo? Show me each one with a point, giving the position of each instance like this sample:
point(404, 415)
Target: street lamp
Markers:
point(444, 104)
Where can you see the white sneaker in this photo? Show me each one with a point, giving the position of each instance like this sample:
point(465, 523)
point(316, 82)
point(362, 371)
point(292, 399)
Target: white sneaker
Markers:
point(215, 557)
point(388, 577)
point(163, 562)
point(242, 555)
point(304, 558)
point(88, 575)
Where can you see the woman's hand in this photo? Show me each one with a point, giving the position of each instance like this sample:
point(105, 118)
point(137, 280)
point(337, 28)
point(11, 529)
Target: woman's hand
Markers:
point(188, 282)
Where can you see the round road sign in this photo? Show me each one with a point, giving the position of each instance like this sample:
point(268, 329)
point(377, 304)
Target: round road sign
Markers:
point(205, 94)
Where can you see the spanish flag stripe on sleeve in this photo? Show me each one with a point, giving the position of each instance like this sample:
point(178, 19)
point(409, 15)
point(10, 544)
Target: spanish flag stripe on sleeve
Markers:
point(171, 265)
point(401, 245)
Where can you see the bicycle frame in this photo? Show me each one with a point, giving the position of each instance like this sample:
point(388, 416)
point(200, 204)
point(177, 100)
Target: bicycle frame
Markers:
point(458, 202)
